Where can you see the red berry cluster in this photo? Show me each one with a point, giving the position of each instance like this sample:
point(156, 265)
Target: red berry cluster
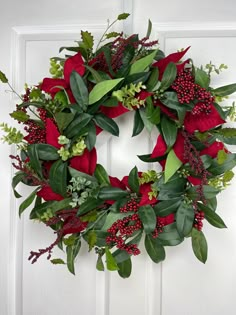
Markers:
point(121, 230)
point(188, 91)
point(36, 134)
point(199, 216)
point(131, 205)
point(159, 227)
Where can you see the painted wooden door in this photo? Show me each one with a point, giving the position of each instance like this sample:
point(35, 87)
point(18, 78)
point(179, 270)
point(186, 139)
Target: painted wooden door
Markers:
point(31, 33)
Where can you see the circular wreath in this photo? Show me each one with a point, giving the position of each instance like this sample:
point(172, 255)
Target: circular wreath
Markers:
point(76, 197)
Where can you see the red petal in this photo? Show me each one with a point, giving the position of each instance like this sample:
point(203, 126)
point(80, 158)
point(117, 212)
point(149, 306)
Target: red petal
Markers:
point(52, 133)
point(160, 147)
point(167, 220)
point(143, 95)
point(48, 194)
point(194, 180)
point(73, 224)
point(115, 182)
point(179, 147)
point(145, 200)
point(203, 122)
point(114, 112)
point(50, 85)
point(75, 63)
point(85, 163)
point(165, 110)
point(162, 63)
point(213, 149)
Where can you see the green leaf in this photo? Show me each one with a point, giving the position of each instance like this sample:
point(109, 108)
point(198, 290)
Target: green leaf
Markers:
point(79, 89)
point(123, 16)
point(112, 217)
point(54, 206)
point(147, 158)
point(208, 191)
point(110, 260)
point(3, 77)
point(87, 39)
point(34, 159)
point(112, 193)
point(70, 259)
point(46, 152)
point(120, 255)
point(169, 131)
point(77, 125)
point(58, 177)
point(152, 112)
point(218, 169)
point(225, 90)
point(125, 268)
point(107, 124)
point(138, 124)
point(170, 99)
point(27, 202)
point(184, 219)
point(170, 235)
point(101, 175)
point(96, 74)
point(153, 79)
point(169, 76)
point(199, 245)
point(172, 165)
point(92, 239)
point(141, 64)
point(133, 180)
point(90, 204)
point(148, 217)
point(154, 249)
point(74, 173)
point(63, 120)
point(149, 29)
point(147, 123)
point(57, 261)
point(91, 137)
point(20, 115)
point(227, 135)
point(202, 78)
point(212, 217)
point(99, 264)
point(112, 35)
point(102, 88)
point(166, 207)
point(19, 176)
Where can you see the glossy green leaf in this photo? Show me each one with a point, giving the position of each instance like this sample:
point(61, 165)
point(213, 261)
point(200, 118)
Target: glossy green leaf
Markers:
point(102, 88)
point(172, 165)
point(212, 217)
point(101, 175)
point(46, 152)
point(57, 261)
point(99, 264)
point(133, 180)
point(154, 249)
point(107, 124)
point(169, 76)
point(170, 99)
point(120, 256)
point(218, 169)
point(184, 219)
point(74, 173)
point(63, 120)
point(3, 77)
point(199, 245)
point(138, 124)
point(91, 137)
point(79, 89)
point(153, 79)
point(87, 39)
point(112, 217)
point(169, 131)
point(166, 207)
point(147, 123)
point(123, 16)
point(58, 177)
point(112, 193)
point(225, 90)
point(110, 260)
point(77, 125)
point(70, 259)
point(227, 135)
point(54, 206)
point(170, 235)
point(34, 159)
point(92, 239)
point(90, 204)
point(19, 176)
point(148, 217)
point(202, 78)
point(27, 202)
point(125, 268)
point(141, 64)
point(208, 191)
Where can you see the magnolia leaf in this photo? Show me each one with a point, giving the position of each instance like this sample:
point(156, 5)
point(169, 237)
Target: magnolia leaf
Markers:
point(87, 39)
point(3, 77)
point(202, 78)
point(102, 88)
point(63, 120)
point(212, 217)
point(110, 260)
point(169, 131)
point(90, 204)
point(141, 64)
point(27, 202)
point(58, 177)
point(147, 123)
point(138, 124)
point(101, 175)
point(112, 193)
point(77, 125)
point(199, 245)
point(123, 16)
point(173, 163)
point(133, 180)
point(125, 268)
point(20, 115)
point(218, 169)
point(169, 76)
point(113, 217)
point(34, 159)
point(46, 152)
point(154, 249)
point(107, 124)
point(166, 207)
point(19, 176)
point(79, 89)
point(153, 79)
point(70, 259)
point(184, 219)
point(148, 217)
point(54, 206)
point(225, 90)
point(91, 137)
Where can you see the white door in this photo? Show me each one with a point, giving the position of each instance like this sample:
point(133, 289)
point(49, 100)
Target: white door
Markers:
point(31, 32)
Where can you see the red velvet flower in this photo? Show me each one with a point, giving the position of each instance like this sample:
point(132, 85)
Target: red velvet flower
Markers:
point(52, 86)
point(48, 194)
point(85, 163)
point(52, 133)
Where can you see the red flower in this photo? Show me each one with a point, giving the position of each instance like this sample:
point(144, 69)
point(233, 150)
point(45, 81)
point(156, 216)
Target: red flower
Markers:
point(203, 121)
point(85, 163)
point(48, 194)
point(167, 219)
point(52, 133)
point(52, 86)
point(115, 111)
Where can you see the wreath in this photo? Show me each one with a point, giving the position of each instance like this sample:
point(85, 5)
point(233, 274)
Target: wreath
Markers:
point(62, 117)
